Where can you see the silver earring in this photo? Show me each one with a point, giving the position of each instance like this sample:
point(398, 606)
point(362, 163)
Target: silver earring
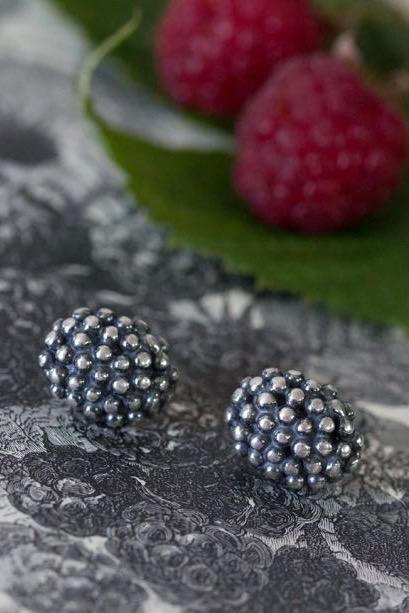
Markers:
point(111, 368)
point(293, 430)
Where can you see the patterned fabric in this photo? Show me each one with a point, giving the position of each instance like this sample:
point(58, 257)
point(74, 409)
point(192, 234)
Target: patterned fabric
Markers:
point(167, 520)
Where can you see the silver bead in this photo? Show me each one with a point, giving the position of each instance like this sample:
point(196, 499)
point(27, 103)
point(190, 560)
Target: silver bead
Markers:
point(255, 457)
point(134, 417)
point(316, 406)
point(103, 353)
point(93, 394)
point(110, 334)
point(238, 396)
point(81, 313)
point(114, 421)
point(239, 433)
point(295, 374)
point(134, 403)
point(68, 324)
point(354, 463)
point(266, 400)
point(74, 399)
point(326, 424)
point(258, 442)
point(266, 423)
point(101, 375)
point(338, 407)
point(347, 427)
point(304, 426)
point(75, 382)
point(55, 375)
point(162, 361)
point(329, 391)
point(248, 412)
point(275, 455)
point(286, 415)
point(51, 339)
point(278, 384)
point(83, 362)
point(105, 314)
point(316, 482)
point(57, 391)
point(143, 360)
point(294, 483)
point(112, 405)
point(229, 416)
point(131, 341)
point(42, 360)
point(283, 436)
point(124, 322)
point(163, 384)
point(272, 472)
point(91, 323)
point(295, 397)
point(63, 354)
point(269, 373)
point(302, 450)
point(121, 386)
point(312, 386)
point(143, 383)
point(291, 467)
point(122, 363)
point(154, 344)
point(333, 468)
point(323, 447)
point(90, 412)
point(255, 383)
point(359, 441)
point(81, 340)
point(349, 411)
point(313, 466)
point(344, 450)
point(57, 325)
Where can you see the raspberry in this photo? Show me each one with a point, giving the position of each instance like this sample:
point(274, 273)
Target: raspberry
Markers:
point(212, 55)
point(317, 149)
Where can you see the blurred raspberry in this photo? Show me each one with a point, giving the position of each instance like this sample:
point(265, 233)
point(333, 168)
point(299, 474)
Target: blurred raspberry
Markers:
point(212, 55)
point(317, 149)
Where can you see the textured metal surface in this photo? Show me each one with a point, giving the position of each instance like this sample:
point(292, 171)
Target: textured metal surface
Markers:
point(293, 430)
point(169, 521)
point(110, 368)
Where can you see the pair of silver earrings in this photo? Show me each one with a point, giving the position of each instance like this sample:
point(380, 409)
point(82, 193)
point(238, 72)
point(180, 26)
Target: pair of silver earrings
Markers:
point(115, 372)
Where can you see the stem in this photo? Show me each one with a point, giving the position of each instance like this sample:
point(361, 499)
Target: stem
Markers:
point(96, 56)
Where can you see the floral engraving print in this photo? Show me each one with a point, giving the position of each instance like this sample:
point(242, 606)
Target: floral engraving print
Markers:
point(164, 518)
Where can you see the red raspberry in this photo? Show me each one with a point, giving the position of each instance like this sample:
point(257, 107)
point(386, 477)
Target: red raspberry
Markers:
point(212, 55)
point(317, 149)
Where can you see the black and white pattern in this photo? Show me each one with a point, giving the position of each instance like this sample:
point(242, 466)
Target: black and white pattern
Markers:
point(166, 519)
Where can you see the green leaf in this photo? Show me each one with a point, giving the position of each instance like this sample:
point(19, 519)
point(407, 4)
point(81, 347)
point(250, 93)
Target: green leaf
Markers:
point(339, 8)
point(360, 273)
point(383, 39)
point(100, 18)
point(381, 32)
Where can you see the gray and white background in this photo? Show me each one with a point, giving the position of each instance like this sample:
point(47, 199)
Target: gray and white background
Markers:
point(169, 522)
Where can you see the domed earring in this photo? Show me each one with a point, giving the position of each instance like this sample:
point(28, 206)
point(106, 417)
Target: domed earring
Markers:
point(293, 430)
point(111, 368)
